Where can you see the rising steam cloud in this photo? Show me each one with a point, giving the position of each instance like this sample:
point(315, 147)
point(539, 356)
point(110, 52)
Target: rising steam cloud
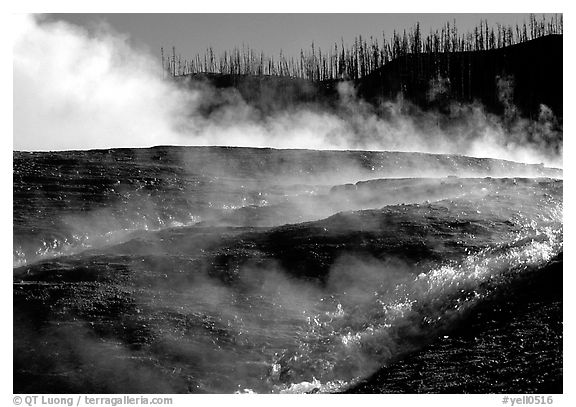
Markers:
point(76, 91)
point(79, 90)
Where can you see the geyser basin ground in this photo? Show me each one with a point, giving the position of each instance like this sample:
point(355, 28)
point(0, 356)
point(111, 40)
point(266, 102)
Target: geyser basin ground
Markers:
point(223, 270)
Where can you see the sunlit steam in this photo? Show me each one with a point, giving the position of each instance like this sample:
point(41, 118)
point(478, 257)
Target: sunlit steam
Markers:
point(79, 90)
point(76, 91)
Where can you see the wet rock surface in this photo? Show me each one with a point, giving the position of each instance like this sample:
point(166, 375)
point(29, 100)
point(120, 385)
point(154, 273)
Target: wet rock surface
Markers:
point(139, 271)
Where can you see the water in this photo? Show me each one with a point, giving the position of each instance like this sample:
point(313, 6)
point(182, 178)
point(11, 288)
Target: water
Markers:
point(244, 270)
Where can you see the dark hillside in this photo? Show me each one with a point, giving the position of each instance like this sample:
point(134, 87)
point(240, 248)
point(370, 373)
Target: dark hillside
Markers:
point(533, 69)
point(527, 74)
point(266, 93)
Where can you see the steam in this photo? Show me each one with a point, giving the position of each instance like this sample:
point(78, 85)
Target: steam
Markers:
point(77, 90)
point(272, 332)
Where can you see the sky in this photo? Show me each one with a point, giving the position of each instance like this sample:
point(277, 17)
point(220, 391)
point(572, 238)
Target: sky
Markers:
point(270, 33)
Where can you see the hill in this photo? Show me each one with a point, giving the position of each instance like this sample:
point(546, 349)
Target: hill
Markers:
point(524, 75)
point(527, 74)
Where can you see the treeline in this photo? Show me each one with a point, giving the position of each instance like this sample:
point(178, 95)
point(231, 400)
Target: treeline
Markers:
point(363, 56)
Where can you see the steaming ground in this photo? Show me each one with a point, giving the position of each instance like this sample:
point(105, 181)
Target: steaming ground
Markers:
point(235, 270)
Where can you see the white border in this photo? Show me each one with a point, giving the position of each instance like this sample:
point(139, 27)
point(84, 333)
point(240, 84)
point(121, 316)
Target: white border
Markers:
point(419, 6)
